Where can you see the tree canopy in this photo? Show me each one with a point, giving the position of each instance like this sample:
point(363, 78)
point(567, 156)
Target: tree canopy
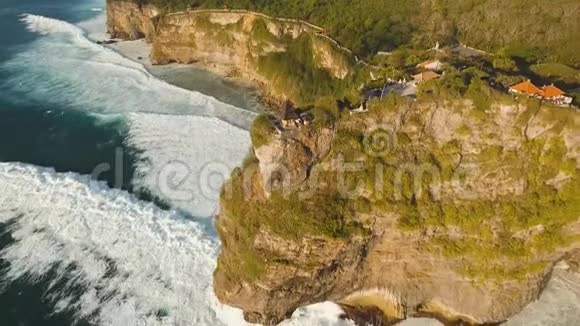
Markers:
point(537, 28)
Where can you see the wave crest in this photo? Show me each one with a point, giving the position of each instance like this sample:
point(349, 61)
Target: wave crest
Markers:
point(45, 25)
point(65, 68)
point(133, 259)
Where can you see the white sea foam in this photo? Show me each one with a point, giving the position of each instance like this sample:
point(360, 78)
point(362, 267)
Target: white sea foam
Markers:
point(162, 261)
point(95, 28)
point(185, 159)
point(139, 265)
point(44, 25)
point(65, 68)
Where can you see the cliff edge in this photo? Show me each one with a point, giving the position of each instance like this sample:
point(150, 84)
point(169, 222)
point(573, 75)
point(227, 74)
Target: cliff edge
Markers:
point(289, 59)
point(456, 206)
point(433, 207)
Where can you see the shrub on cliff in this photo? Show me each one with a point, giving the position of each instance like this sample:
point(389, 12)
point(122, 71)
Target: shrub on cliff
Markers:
point(262, 130)
point(504, 61)
point(296, 73)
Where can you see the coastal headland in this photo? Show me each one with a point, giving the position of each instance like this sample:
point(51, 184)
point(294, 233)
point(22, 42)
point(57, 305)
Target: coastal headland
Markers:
point(457, 202)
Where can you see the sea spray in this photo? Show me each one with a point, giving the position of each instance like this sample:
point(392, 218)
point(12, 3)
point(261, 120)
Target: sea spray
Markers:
point(162, 261)
point(63, 67)
point(183, 160)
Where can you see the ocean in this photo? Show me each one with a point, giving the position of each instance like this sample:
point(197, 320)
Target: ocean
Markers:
point(110, 177)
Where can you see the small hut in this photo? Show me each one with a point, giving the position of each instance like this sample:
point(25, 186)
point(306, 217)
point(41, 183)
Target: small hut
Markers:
point(292, 117)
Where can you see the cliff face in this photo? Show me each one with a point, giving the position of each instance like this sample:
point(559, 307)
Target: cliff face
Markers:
point(235, 41)
point(452, 208)
point(130, 20)
point(434, 208)
point(235, 44)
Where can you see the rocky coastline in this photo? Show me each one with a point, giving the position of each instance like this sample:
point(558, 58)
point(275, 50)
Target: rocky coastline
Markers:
point(381, 264)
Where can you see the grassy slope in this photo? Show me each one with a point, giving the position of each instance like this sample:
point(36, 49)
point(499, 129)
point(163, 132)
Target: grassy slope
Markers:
point(559, 72)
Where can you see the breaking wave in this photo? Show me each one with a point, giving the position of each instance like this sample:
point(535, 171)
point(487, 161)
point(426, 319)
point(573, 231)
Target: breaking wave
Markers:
point(184, 160)
point(137, 264)
point(65, 68)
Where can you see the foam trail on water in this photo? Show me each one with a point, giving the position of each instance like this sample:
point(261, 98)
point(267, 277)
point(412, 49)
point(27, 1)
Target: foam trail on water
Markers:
point(65, 68)
point(139, 265)
point(184, 160)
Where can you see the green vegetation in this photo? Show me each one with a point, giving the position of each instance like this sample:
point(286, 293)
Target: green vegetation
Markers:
point(261, 33)
point(297, 73)
point(290, 217)
point(487, 228)
point(486, 240)
point(458, 84)
point(557, 72)
point(262, 130)
point(220, 33)
point(530, 29)
point(464, 130)
point(504, 62)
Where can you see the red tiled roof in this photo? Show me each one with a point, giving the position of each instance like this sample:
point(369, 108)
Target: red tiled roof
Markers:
point(552, 91)
point(527, 88)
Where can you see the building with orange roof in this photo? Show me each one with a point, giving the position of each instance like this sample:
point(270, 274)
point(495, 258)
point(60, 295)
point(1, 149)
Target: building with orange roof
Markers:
point(526, 88)
point(552, 91)
point(556, 96)
point(434, 65)
point(549, 93)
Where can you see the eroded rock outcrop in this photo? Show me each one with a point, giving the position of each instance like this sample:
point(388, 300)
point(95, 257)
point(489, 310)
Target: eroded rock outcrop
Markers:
point(464, 245)
point(454, 210)
point(130, 20)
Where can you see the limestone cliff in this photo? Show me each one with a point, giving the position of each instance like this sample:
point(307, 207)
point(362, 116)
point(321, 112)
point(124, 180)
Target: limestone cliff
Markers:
point(233, 43)
point(130, 20)
point(429, 207)
point(458, 208)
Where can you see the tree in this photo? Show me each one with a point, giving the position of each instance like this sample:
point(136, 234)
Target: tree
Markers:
point(504, 61)
point(397, 59)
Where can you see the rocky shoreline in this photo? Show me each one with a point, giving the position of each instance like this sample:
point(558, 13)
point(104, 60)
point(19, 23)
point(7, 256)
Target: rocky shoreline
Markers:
point(273, 98)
